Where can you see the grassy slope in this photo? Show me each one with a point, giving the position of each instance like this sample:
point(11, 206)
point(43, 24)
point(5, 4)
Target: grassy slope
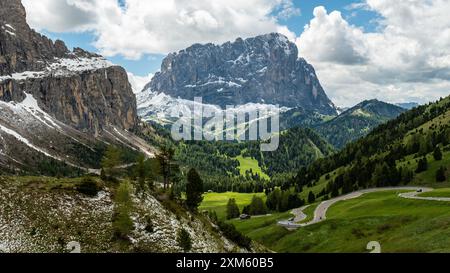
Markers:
point(218, 201)
point(428, 178)
point(309, 211)
point(437, 193)
point(247, 164)
point(400, 225)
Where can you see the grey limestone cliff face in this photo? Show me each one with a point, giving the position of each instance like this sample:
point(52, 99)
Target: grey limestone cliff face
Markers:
point(23, 49)
point(264, 69)
point(78, 88)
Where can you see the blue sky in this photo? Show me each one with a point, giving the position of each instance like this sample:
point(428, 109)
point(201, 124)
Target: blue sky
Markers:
point(395, 51)
point(150, 63)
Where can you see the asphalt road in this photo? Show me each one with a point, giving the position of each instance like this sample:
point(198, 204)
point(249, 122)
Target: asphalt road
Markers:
point(320, 214)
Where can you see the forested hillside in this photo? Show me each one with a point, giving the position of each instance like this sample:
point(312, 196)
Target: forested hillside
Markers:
point(394, 153)
point(357, 122)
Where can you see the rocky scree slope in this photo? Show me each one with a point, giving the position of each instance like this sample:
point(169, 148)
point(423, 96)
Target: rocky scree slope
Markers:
point(43, 215)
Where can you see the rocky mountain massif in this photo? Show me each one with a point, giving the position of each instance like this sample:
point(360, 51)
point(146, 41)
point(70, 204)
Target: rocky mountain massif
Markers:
point(264, 70)
point(55, 102)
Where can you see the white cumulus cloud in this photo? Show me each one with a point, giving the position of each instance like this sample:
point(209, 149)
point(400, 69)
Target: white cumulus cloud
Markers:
point(407, 59)
point(159, 26)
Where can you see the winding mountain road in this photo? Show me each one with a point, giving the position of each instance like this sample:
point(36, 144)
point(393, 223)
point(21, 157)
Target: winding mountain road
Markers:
point(320, 213)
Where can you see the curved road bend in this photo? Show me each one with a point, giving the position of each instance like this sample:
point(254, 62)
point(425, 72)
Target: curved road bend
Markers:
point(321, 210)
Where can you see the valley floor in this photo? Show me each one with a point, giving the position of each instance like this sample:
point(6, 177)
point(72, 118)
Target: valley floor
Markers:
point(398, 224)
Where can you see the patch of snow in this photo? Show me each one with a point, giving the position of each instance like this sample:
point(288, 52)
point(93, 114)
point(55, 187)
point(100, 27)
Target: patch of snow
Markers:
point(23, 140)
point(30, 105)
point(159, 106)
point(10, 27)
point(23, 76)
point(64, 66)
point(263, 70)
point(10, 33)
point(219, 81)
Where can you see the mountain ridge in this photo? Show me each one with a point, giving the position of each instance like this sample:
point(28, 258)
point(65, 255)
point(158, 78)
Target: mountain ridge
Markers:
point(263, 69)
point(357, 121)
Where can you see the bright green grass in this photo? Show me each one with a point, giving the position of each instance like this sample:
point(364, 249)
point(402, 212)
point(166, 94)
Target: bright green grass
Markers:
point(436, 193)
point(247, 164)
point(428, 178)
point(400, 225)
point(309, 211)
point(263, 227)
point(218, 201)
point(320, 185)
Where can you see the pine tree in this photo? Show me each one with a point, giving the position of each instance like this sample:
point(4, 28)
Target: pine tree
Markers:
point(422, 165)
point(311, 197)
point(141, 172)
point(437, 154)
point(184, 240)
point(194, 190)
point(334, 190)
point(122, 222)
point(232, 209)
point(257, 206)
point(440, 175)
point(165, 157)
point(111, 161)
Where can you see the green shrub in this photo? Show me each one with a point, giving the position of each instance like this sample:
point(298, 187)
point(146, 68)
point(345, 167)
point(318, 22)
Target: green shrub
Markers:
point(89, 187)
point(184, 240)
point(122, 223)
point(232, 209)
point(149, 225)
point(231, 233)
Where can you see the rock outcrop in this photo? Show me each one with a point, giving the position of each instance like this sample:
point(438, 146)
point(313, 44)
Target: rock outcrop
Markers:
point(265, 69)
point(78, 88)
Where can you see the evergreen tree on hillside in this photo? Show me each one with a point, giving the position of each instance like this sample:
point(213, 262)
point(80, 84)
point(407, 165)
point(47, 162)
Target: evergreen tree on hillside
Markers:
point(422, 165)
point(311, 197)
point(334, 190)
point(437, 154)
point(440, 174)
point(406, 175)
point(141, 172)
point(232, 209)
point(257, 206)
point(274, 199)
point(184, 240)
point(165, 158)
point(111, 161)
point(194, 190)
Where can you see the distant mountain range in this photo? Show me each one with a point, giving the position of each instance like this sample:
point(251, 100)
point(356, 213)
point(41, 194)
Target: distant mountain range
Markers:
point(357, 122)
point(408, 105)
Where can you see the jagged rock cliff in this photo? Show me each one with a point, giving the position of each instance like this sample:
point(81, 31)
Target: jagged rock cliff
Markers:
point(78, 88)
point(265, 69)
point(58, 105)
